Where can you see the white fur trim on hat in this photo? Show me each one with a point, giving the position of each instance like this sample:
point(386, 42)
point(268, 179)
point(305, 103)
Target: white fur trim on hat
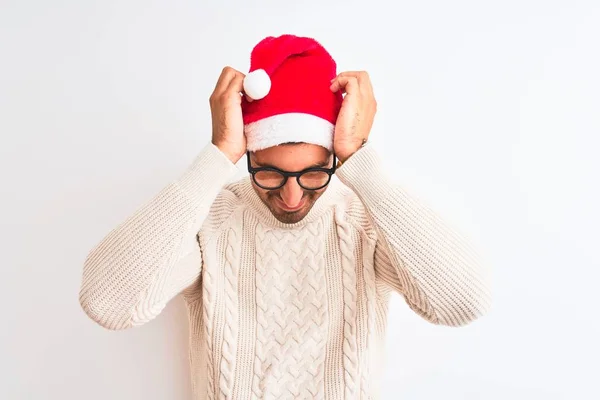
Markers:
point(290, 127)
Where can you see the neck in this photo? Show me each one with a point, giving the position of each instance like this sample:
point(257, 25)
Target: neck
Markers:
point(326, 201)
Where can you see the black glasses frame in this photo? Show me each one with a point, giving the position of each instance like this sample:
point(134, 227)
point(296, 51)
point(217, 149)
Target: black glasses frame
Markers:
point(252, 170)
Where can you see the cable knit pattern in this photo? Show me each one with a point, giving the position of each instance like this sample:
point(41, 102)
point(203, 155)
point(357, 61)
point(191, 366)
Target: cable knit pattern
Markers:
point(350, 300)
point(368, 274)
point(284, 311)
point(292, 314)
point(231, 313)
point(209, 293)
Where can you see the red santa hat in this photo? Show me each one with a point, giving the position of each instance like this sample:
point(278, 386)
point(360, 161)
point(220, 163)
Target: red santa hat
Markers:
point(289, 81)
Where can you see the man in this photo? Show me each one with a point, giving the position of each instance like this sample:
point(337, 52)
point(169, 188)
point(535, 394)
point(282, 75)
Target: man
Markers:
point(287, 273)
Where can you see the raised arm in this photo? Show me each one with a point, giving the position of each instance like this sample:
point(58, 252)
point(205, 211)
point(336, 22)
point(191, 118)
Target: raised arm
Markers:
point(439, 272)
point(130, 276)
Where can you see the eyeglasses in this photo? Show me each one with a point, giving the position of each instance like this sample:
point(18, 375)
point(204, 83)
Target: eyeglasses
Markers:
point(271, 178)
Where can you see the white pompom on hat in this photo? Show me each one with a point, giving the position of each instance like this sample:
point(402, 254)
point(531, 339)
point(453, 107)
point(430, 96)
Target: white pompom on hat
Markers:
point(257, 84)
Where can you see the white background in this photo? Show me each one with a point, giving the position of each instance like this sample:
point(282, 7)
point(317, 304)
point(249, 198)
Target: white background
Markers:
point(488, 108)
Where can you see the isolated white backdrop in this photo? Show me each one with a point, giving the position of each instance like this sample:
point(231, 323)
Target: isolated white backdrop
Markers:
point(488, 109)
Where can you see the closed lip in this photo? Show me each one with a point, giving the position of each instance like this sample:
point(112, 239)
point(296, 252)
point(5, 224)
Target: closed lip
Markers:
point(282, 205)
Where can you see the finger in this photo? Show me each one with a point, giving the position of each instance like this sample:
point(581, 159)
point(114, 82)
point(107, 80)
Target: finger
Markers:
point(223, 80)
point(339, 84)
point(227, 75)
point(347, 84)
point(356, 74)
point(361, 76)
point(236, 84)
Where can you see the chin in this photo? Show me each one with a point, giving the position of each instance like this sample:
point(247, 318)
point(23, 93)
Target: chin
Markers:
point(290, 217)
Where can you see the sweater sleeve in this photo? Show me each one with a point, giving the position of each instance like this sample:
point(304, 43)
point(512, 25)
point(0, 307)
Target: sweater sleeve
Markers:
point(151, 256)
point(437, 270)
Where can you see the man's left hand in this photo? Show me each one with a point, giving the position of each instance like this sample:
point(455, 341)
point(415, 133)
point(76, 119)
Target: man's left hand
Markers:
point(357, 113)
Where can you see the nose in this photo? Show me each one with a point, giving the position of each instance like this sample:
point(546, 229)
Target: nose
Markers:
point(292, 193)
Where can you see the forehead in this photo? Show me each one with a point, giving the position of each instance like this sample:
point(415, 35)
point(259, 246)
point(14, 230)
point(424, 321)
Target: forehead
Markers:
point(291, 157)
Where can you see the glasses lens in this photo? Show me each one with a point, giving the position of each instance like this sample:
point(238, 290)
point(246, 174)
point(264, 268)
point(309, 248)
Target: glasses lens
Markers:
point(314, 179)
point(269, 179)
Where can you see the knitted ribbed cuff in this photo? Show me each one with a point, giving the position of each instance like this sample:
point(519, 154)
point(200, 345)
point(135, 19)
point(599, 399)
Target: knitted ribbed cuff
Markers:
point(364, 174)
point(206, 176)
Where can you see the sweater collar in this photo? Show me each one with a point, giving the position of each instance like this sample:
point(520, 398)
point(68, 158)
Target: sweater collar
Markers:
point(332, 195)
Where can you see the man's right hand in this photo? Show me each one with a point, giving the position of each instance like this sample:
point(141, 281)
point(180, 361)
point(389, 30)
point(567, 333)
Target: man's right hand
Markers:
point(226, 110)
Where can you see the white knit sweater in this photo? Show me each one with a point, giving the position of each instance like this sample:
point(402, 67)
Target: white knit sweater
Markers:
point(283, 311)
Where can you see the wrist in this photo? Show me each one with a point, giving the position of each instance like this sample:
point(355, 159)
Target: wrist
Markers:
point(344, 155)
point(233, 156)
point(342, 158)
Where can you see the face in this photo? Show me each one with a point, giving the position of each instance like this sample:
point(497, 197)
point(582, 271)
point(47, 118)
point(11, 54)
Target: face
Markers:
point(290, 203)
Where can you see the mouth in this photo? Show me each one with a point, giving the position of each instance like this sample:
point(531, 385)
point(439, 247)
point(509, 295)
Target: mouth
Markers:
point(287, 209)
